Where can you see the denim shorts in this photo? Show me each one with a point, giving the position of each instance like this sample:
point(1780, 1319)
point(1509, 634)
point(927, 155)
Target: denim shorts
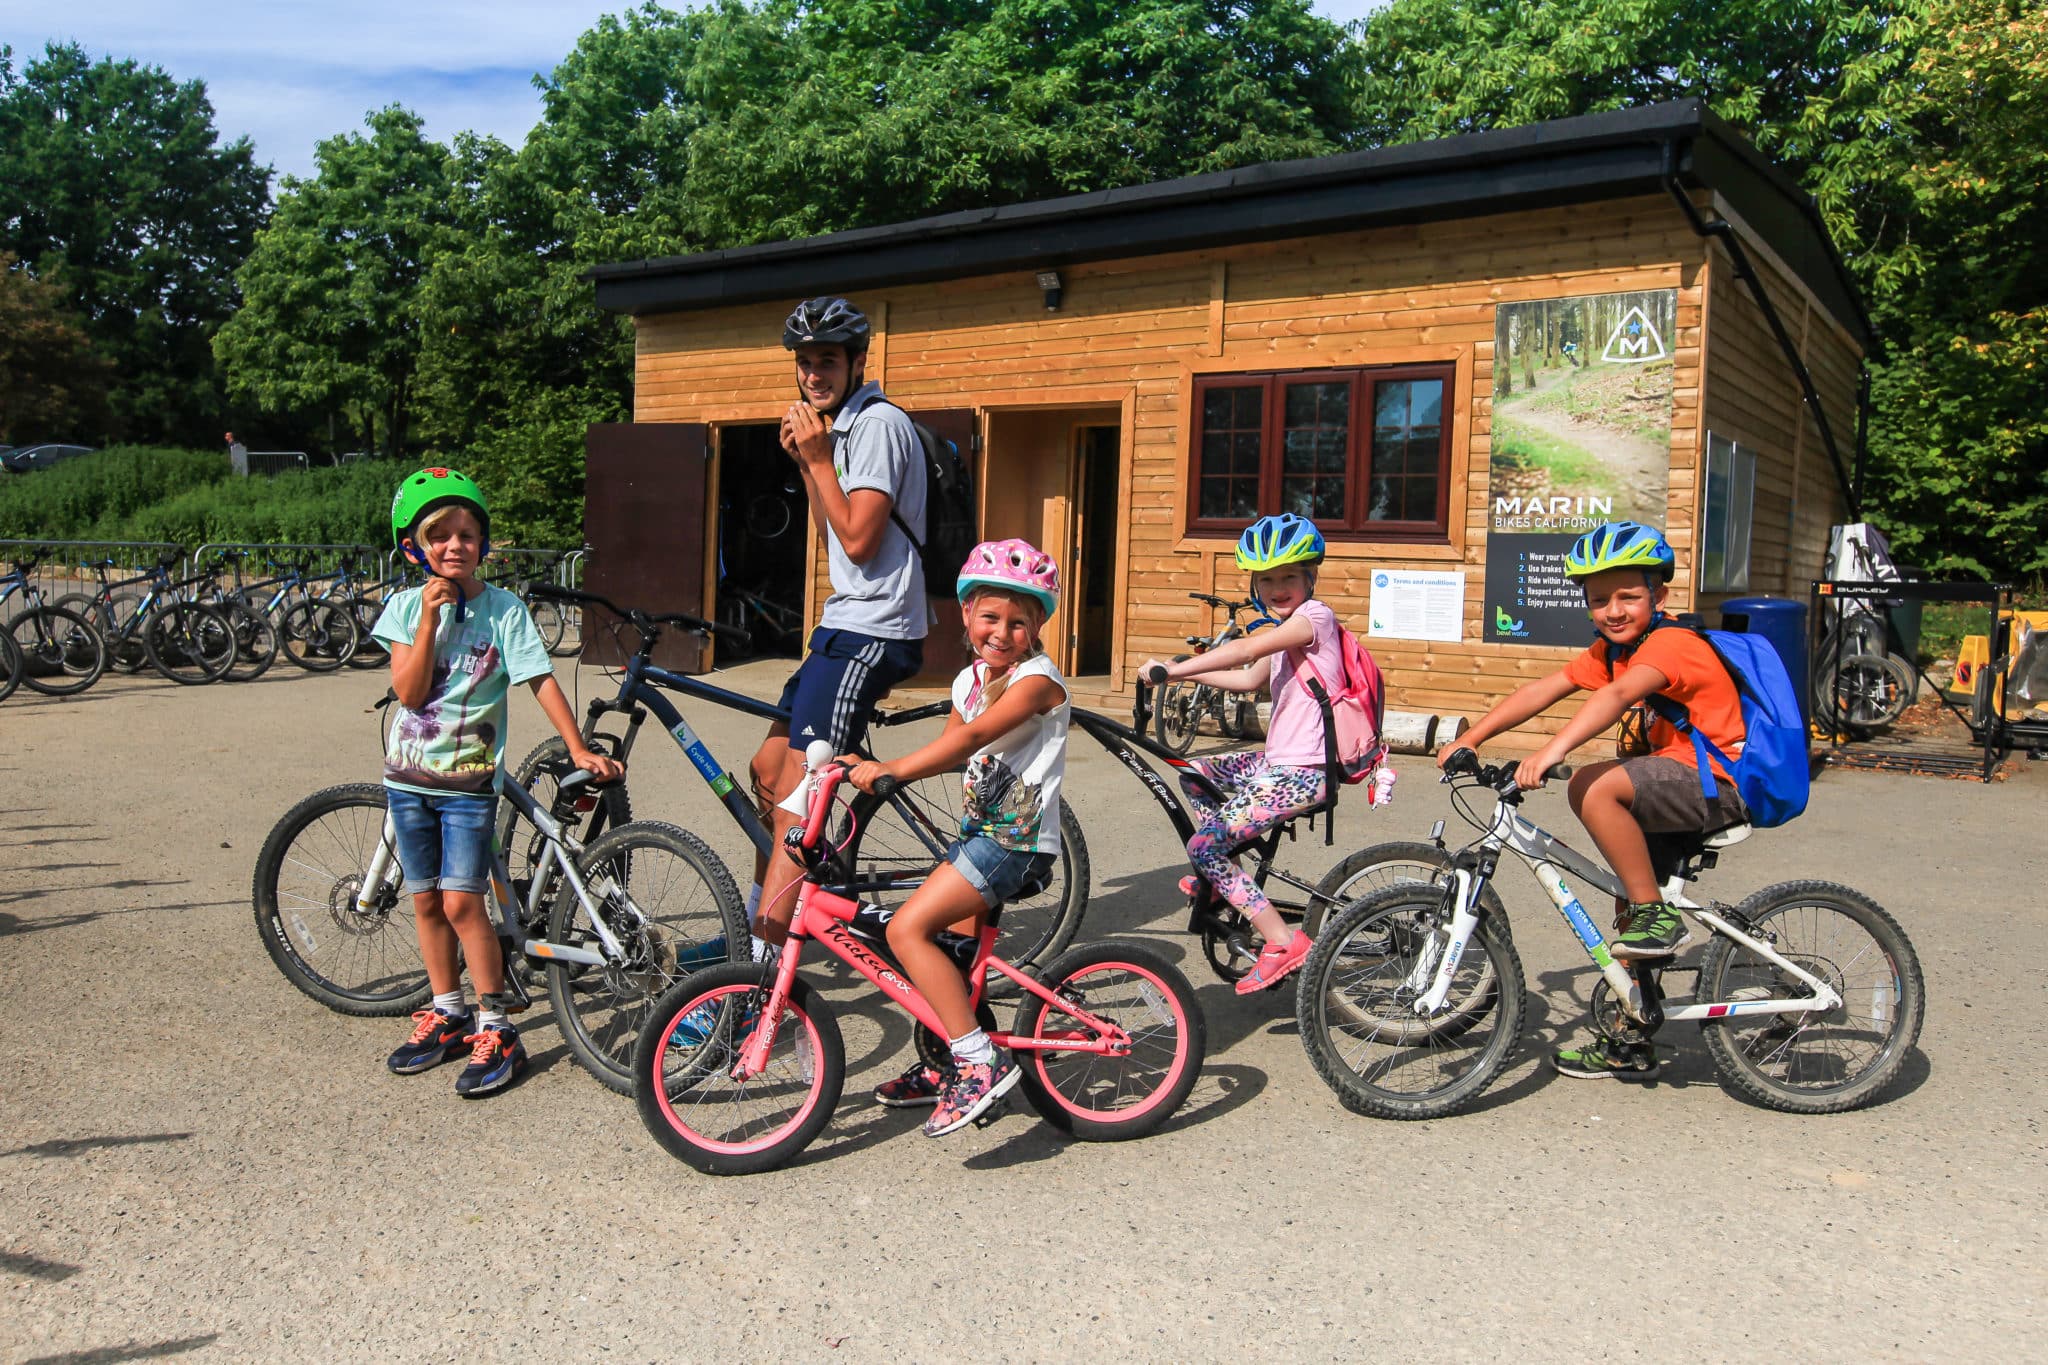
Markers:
point(444, 842)
point(996, 872)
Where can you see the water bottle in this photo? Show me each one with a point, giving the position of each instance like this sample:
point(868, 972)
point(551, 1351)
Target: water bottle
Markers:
point(1382, 790)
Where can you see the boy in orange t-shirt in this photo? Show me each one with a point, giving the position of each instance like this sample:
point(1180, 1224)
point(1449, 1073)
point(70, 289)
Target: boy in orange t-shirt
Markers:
point(1625, 570)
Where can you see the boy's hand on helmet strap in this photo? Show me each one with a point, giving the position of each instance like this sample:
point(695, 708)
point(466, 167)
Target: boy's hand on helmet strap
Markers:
point(439, 592)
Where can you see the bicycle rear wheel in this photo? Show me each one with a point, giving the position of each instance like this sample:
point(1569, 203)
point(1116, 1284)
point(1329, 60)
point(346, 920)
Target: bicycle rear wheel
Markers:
point(682, 1073)
point(1822, 1062)
point(314, 862)
point(62, 654)
point(547, 619)
point(571, 642)
point(902, 842)
point(1355, 1006)
point(370, 651)
point(255, 641)
point(1177, 714)
point(672, 905)
point(1868, 693)
point(10, 665)
point(1101, 1097)
point(189, 643)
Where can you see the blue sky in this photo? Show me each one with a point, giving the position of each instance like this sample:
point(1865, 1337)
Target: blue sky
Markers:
point(288, 73)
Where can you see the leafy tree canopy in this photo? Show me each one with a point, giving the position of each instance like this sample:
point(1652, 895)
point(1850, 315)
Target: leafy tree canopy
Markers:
point(114, 188)
point(51, 381)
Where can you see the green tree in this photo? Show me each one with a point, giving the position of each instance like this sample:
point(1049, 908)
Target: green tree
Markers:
point(1931, 166)
point(51, 381)
point(333, 317)
point(114, 189)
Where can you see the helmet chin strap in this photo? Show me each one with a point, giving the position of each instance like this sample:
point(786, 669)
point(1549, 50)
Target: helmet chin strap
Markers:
point(413, 553)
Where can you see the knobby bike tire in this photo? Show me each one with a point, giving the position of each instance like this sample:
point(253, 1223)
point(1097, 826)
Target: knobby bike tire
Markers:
point(10, 665)
point(317, 636)
point(1176, 714)
point(1107, 1098)
point(1381, 865)
point(125, 653)
point(682, 1073)
point(370, 652)
point(1353, 1006)
point(902, 842)
point(1815, 1063)
point(672, 905)
point(255, 641)
point(1866, 694)
point(189, 643)
point(312, 864)
point(62, 653)
point(541, 773)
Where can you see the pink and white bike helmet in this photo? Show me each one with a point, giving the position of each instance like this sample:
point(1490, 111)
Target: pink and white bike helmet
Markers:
point(1013, 566)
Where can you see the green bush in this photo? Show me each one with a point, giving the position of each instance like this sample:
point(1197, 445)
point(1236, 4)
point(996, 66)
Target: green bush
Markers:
point(335, 506)
point(85, 498)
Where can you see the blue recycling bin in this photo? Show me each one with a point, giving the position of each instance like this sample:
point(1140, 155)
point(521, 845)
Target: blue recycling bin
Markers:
point(1782, 622)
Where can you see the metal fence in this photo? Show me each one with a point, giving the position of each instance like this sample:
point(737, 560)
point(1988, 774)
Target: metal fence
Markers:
point(253, 562)
point(66, 566)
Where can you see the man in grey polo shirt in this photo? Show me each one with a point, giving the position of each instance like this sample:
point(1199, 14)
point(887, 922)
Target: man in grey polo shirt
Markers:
point(864, 474)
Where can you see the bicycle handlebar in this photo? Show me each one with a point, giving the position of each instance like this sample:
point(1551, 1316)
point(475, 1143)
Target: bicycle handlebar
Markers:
point(645, 622)
point(1464, 762)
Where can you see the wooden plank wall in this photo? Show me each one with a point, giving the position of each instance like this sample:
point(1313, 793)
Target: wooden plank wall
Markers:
point(1135, 332)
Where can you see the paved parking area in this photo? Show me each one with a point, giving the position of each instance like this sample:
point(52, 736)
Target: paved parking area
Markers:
point(200, 1161)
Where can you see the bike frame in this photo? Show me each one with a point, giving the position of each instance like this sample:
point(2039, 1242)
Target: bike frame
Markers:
point(1549, 859)
point(825, 917)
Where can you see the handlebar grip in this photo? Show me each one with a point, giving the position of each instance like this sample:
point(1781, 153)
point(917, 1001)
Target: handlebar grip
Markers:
point(885, 787)
point(1155, 675)
point(1558, 770)
point(1463, 762)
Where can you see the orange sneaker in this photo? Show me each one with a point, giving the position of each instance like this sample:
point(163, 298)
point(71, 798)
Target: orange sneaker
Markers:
point(1275, 964)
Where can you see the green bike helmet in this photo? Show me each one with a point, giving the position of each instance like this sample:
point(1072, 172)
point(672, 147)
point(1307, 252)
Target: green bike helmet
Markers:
point(429, 491)
point(1621, 545)
point(1275, 542)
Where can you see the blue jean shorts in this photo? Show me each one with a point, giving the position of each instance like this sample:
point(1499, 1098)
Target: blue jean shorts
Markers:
point(444, 842)
point(832, 692)
point(996, 872)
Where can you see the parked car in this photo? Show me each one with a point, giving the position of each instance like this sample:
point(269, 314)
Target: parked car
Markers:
point(27, 459)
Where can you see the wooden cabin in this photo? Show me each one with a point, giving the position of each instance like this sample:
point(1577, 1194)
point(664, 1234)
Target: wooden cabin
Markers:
point(1454, 355)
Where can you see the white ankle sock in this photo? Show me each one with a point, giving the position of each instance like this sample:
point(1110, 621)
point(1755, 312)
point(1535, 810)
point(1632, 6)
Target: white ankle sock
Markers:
point(487, 1018)
point(452, 1004)
point(753, 901)
point(974, 1049)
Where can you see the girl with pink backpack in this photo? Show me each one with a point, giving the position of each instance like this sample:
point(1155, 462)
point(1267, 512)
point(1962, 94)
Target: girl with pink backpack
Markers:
point(1291, 775)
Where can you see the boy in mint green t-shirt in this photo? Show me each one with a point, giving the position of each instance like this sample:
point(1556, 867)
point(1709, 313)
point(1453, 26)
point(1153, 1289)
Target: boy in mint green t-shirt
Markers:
point(457, 647)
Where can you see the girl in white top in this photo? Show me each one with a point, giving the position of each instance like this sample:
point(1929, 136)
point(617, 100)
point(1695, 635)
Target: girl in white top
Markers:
point(1009, 721)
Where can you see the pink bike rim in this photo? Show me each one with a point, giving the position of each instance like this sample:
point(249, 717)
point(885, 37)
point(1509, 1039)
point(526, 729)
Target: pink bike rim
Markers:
point(710, 1144)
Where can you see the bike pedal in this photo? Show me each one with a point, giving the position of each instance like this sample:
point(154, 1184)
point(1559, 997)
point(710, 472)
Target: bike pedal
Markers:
point(992, 1113)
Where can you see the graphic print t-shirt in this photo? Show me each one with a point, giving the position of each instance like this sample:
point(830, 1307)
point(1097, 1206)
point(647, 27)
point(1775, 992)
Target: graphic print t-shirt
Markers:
point(456, 740)
point(1698, 682)
point(1012, 787)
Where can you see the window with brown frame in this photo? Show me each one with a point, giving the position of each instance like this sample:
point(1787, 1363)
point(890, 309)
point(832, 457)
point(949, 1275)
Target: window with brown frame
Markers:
point(1365, 454)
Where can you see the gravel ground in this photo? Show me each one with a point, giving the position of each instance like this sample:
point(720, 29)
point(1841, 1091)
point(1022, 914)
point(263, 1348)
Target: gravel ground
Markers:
point(199, 1160)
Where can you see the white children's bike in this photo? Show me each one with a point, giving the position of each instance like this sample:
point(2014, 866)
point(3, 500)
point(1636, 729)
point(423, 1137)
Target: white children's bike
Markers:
point(1808, 994)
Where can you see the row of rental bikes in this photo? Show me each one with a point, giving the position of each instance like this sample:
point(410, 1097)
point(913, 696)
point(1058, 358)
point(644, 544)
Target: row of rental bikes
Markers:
point(1808, 994)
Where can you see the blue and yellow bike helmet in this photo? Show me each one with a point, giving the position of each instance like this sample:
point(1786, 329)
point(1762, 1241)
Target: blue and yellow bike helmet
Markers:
point(1621, 545)
point(1275, 542)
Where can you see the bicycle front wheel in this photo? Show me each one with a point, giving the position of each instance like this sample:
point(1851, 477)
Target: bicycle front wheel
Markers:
point(356, 959)
point(904, 839)
point(1822, 1061)
point(671, 904)
point(10, 665)
point(317, 636)
point(1109, 1097)
point(1868, 693)
point(61, 652)
point(189, 643)
point(547, 619)
point(591, 814)
point(255, 640)
point(1356, 1006)
point(683, 1066)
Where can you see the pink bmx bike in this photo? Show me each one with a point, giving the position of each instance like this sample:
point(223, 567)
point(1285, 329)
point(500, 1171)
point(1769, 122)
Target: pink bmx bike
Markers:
point(739, 1066)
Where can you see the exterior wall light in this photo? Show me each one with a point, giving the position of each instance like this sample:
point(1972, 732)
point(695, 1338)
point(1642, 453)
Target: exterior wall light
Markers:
point(1049, 281)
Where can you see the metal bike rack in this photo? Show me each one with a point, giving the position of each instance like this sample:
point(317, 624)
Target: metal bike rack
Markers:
point(325, 558)
point(68, 566)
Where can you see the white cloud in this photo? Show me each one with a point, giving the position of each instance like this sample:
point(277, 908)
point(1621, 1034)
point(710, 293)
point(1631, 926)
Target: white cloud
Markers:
point(287, 73)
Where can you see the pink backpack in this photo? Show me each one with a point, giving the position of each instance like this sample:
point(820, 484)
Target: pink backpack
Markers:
point(1358, 708)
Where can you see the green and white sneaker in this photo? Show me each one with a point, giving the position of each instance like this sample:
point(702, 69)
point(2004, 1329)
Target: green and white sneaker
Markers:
point(1653, 931)
point(1599, 1057)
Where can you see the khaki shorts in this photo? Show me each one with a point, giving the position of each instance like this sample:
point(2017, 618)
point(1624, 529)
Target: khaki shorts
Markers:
point(1669, 800)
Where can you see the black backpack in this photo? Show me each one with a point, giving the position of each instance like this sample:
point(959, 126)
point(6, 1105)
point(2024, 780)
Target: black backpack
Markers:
point(952, 530)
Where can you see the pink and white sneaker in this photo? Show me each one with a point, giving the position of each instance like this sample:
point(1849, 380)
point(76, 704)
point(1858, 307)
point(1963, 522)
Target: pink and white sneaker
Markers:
point(1275, 964)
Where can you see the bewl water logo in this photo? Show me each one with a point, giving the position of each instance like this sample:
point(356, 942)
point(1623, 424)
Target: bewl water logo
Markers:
point(1504, 624)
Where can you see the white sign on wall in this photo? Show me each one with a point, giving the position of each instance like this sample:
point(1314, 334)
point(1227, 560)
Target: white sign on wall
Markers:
point(1410, 604)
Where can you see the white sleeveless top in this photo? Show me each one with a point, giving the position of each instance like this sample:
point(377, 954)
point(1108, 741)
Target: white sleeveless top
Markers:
point(1012, 787)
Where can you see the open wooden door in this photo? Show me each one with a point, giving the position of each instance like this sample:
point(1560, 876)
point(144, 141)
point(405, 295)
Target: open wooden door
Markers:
point(945, 648)
point(643, 514)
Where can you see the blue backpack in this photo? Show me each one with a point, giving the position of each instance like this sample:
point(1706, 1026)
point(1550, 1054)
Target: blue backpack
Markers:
point(1772, 776)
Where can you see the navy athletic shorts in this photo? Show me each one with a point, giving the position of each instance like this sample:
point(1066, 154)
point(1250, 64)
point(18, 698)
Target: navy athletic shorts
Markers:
point(832, 692)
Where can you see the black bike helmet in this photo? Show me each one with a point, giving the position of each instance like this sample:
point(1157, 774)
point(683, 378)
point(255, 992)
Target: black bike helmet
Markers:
point(826, 322)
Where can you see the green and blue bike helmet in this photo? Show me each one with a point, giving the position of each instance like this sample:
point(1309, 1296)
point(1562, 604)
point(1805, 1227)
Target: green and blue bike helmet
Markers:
point(425, 493)
point(1621, 545)
point(1274, 543)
